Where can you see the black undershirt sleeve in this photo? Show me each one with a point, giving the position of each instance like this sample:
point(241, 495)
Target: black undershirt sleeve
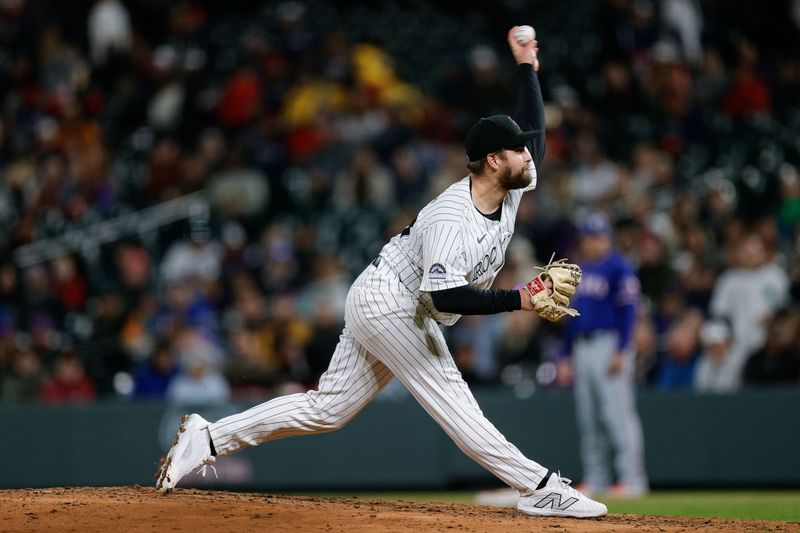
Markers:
point(469, 300)
point(529, 109)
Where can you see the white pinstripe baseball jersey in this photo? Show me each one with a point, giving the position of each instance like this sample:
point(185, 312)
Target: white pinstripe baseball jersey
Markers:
point(451, 244)
point(392, 329)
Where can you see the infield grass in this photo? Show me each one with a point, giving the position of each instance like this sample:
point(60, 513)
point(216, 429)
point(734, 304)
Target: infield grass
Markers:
point(752, 504)
point(742, 504)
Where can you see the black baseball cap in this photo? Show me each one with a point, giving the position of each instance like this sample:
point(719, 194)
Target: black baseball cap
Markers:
point(494, 133)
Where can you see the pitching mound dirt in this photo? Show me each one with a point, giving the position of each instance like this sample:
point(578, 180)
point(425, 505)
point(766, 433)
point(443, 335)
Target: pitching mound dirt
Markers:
point(143, 509)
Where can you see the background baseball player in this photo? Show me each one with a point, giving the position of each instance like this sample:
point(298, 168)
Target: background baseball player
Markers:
point(440, 267)
point(599, 342)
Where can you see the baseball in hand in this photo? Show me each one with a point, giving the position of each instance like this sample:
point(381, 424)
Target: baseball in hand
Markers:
point(524, 34)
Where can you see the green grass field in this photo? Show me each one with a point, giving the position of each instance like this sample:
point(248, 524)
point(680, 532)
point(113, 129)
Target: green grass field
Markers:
point(763, 505)
point(750, 504)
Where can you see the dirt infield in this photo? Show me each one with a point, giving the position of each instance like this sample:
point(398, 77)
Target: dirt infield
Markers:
point(142, 509)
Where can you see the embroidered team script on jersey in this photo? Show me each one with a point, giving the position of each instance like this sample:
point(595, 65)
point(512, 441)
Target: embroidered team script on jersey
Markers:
point(451, 244)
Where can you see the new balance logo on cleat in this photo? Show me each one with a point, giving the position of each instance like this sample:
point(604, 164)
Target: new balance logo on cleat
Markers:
point(553, 501)
point(557, 498)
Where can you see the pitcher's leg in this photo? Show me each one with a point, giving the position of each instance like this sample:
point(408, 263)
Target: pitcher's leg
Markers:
point(418, 356)
point(352, 380)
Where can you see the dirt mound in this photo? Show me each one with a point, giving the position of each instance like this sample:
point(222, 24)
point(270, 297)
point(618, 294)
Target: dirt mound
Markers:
point(143, 509)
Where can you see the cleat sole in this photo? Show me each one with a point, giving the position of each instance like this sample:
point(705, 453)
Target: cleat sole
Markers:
point(165, 462)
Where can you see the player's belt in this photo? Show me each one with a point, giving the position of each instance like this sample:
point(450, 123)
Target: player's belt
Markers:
point(589, 335)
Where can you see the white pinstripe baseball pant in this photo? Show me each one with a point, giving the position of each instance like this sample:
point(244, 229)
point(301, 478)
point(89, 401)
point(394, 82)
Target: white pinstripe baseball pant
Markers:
point(385, 335)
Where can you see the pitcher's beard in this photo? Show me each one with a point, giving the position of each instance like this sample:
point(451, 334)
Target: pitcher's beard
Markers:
point(515, 180)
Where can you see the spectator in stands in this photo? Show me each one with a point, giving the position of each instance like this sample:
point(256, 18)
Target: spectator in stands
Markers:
point(199, 381)
point(327, 285)
point(596, 179)
point(10, 294)
point(44, 338)
point(109, 30)
point(185, 307)
point(684, 19)
point(364, 184)
point(678, 365)
point(520, 343)
point(789, 215)
point(63, 71)
point(196, 260)
point(283, 335)
point(712, 80)
point(278, 258)
point(778, 362)
point(153, 376)
point(485, 91)
point(795, 270)
point(645, 344)
point(38, 300)
point(764, 285)
point(699, 279)
point(24, 379)
point(411, 176)
point(247, 370)
point(238, 190)
point(164, 172)
point(364, 120)
point(69, 382)
point(107, 315)
point(475, 345)
point(68, 283)
point(748, 93)
point(719, 368)
point(654, 269)
point(327, 326)
point(134, 272)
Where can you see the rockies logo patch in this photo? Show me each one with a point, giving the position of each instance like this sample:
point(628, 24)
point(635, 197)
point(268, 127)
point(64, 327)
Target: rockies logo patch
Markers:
point(437, 271)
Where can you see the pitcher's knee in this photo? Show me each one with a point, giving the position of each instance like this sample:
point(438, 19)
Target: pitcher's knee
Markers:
point(336, 421)
point(329, 417)
point(329, 421)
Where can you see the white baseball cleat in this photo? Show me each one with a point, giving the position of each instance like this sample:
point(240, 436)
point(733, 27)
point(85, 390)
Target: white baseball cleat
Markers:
point(557, 498)
point(191, 449)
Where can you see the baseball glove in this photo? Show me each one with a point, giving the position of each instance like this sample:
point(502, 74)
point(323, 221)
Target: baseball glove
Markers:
point(565, 278)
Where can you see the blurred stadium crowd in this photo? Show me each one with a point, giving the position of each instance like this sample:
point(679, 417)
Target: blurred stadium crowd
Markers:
point(188, 187)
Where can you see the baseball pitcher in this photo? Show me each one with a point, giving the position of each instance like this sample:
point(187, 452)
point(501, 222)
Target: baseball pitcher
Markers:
point(437, 269)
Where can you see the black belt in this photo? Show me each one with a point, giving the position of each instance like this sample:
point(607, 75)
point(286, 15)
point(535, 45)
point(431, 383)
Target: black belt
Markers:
point(376, 261)
point(587, 335)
